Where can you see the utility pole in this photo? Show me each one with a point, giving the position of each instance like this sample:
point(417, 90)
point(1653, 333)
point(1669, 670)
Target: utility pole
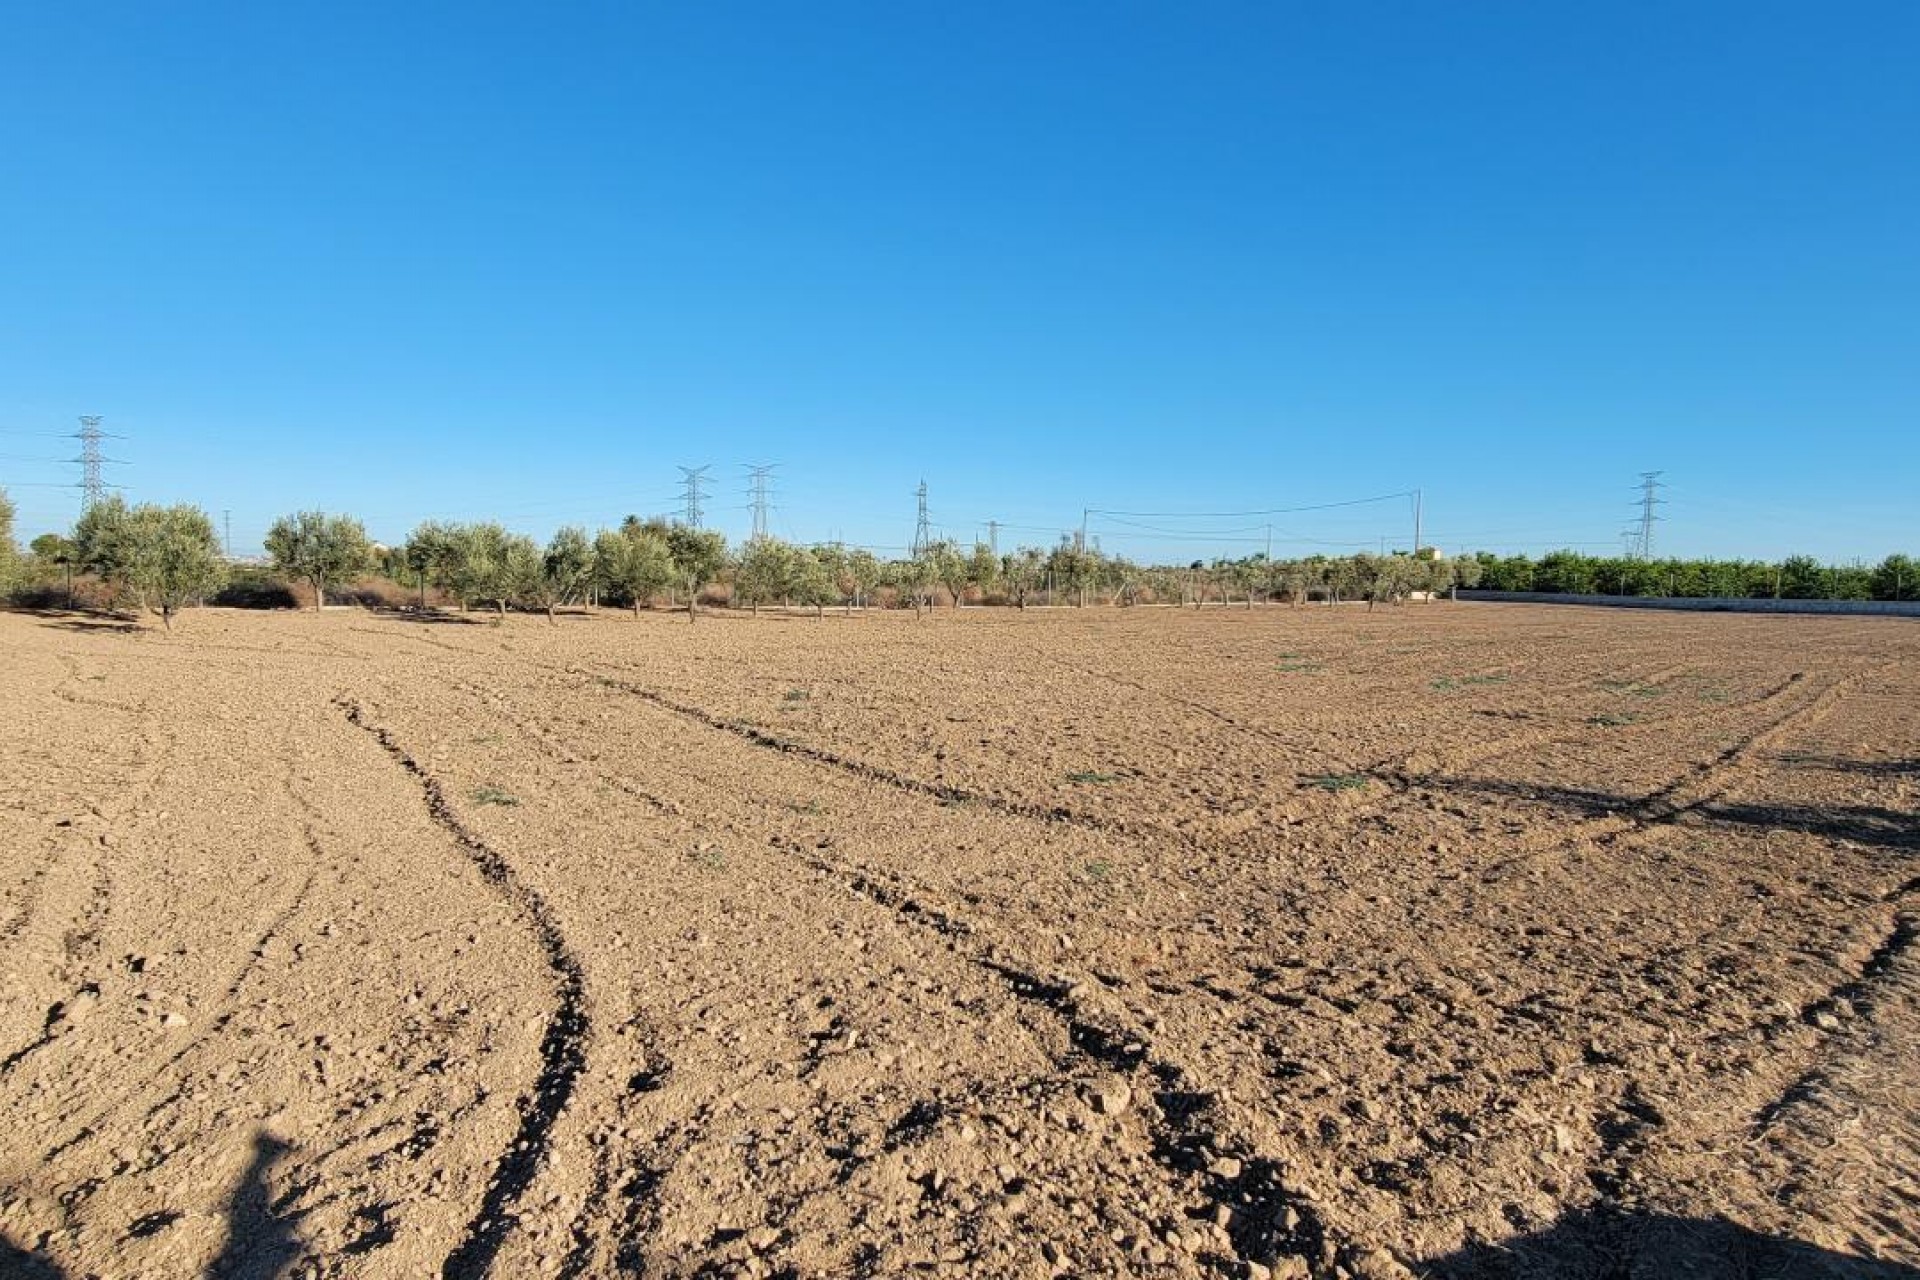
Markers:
point(993, 536)
point(1080, 543)
point(1649, 488)
point(922, 527)
point(1269, 544)
point(1416, 524)
point(759, 480)
point(694, 478)
point(226, 524)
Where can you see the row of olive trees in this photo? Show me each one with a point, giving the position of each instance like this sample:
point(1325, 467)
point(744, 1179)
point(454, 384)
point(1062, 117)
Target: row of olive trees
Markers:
point(633, 563)
point(160, 558)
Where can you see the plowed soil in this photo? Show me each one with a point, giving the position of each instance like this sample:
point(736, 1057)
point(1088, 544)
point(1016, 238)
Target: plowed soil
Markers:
point(1455, 939)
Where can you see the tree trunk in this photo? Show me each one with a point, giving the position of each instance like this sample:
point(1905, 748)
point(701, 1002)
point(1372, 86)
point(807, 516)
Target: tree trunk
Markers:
point(166, 615)
point(551, 621)
point(319, 594)
point(636, 607)
point(501, 605)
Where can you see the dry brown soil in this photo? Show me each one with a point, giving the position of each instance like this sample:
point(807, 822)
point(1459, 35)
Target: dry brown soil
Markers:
point(1453, 939)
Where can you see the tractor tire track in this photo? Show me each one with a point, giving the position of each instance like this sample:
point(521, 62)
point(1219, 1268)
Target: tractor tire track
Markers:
point(563, 1052)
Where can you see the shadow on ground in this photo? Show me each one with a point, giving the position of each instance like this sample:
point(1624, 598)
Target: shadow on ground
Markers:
point(432, 617)
point(261, 1243)
point(1613, 1245)
point(1874, 825)
point(84, 620)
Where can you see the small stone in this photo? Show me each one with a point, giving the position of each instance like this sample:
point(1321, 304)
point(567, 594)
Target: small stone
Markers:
point(1225, 1167)
point(172, 1019)
point(76, 1010)
point(1378, 1264)
point(1110, 1097)
point(1289, 1267)
point(761, 1239)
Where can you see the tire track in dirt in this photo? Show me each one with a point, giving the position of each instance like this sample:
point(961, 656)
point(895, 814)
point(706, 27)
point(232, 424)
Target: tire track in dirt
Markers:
point(1691, 791)
point(864, 770)
point(1861, 992)
point(1270, 1217)
point(228, 1010)
point(563, 1044)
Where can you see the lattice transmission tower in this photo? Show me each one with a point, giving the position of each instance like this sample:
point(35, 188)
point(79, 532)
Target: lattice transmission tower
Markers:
point(923, 527)
point(760, 495)
point(93, 484)
point(695, 480)
point(1650, 487)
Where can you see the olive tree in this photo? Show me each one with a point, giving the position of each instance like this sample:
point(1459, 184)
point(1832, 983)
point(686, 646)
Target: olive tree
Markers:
point(698, 557)
point(1022, 573)
point(949, 569)
point(765, 570)
point(983, 569)
point(566, 570)
point(863, 572)
point(811, 577)
point(9, 553)
point(171, 557)
point(634, 561)
point(522, 578)
point(433, 552)
point(319, 549)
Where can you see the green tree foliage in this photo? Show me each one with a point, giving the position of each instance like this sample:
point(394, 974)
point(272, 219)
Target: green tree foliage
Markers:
point(476, 564)
point(565, 573)
point(523, 573)
point(319, 549)
point(698, 557)
point(634, 562)
point(1023, 572)
point(765, 571)
point(1896, 578)
point(433, 554)
point(172, 557)
point(813, 578)
point(9, 553)
point(983, 569)
point(99, 538)
point(863, 574)
point(950, 568)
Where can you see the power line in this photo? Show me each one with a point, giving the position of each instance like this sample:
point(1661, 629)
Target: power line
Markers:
point(1267, 511)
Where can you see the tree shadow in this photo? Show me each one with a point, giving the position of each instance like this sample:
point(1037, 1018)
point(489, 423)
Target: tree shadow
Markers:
point(17, 1264)
point(84, 620)
point(1611, 1244)
point(430, 617)
point(1861, 768)
point(1889, 829)
point(261, 1241)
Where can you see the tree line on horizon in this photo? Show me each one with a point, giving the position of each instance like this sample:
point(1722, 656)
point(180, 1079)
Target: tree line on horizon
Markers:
point(163, 558)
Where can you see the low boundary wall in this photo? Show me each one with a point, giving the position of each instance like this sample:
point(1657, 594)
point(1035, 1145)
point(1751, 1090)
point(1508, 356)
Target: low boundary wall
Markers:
point(1708, 604)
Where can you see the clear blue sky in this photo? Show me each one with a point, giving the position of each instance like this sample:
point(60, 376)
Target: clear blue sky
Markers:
point(414, 260)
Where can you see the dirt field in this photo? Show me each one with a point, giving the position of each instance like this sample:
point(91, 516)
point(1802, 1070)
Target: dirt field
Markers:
point(1460, 939)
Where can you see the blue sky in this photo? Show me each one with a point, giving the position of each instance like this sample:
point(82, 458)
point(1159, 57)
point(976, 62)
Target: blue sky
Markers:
point(523, 261)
